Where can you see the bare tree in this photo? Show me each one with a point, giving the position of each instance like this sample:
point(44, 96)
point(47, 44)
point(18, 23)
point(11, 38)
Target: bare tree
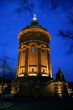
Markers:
point(4, 65)
point(25, 6)
point(65, 5)
point(68, 33)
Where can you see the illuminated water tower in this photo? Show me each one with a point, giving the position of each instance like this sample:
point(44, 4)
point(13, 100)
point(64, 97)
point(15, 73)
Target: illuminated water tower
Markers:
point(34, 72)
point(34, 51)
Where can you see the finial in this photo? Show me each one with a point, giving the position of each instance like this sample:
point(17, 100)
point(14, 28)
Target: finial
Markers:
point(34, 18)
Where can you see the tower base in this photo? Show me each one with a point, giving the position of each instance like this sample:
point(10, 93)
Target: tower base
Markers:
point(38, 87)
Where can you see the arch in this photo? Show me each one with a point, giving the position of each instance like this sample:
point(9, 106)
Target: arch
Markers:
point(43, 45)
point(33, 44)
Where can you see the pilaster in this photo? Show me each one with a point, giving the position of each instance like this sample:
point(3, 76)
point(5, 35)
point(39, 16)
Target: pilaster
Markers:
point(26, 62)
point(39, 61)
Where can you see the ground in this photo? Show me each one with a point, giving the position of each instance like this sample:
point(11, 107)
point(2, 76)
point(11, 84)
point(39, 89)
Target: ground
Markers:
point(42, 104)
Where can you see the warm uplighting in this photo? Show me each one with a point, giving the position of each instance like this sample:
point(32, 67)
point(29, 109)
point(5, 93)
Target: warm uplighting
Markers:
point(32, 74)
point(34, 51)
point(34, 30)
point(21, 75)
point(44, 74)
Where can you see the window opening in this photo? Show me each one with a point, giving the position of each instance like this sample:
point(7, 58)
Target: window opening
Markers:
point(33, 50)
point(43, 71)
point(32, 70)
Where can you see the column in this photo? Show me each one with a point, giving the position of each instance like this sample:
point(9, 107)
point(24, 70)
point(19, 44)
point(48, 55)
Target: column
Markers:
point(48, 58)
point(39, 61)
point(26, 62)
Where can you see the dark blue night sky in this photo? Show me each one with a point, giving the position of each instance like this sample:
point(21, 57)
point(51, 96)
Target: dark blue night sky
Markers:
point(13, 18)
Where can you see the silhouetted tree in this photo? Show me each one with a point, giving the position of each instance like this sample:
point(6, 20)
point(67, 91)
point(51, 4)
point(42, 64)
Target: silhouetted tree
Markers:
point(25, 6)
point(64, 5)
point(68, 34)
point(4, 66)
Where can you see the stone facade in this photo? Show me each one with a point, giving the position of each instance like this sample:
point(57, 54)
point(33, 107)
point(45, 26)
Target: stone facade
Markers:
point(34, 51)
point(34, 72)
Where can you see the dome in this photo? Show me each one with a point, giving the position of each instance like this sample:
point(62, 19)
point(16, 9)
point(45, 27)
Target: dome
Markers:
point(35, 30)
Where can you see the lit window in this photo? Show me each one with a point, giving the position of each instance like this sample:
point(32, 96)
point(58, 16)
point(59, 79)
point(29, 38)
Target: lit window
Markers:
point(43, 71)
point(32, 70)
point(33, 50)
point(22, 71)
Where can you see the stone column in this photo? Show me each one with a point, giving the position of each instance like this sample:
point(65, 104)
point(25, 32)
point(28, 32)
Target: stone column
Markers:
point(48, 59)
point(26, 62)
point(39, 61)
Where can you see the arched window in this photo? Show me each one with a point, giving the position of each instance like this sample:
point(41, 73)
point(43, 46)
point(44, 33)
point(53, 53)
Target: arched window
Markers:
point(33, 47)
point(33, 50)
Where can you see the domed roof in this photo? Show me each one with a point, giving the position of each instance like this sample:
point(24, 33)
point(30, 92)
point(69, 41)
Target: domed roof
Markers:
point(34, 24)
point(35, 29)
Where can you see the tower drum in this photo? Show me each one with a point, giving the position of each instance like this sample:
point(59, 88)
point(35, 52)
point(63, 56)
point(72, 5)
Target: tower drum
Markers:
point(34, 51)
